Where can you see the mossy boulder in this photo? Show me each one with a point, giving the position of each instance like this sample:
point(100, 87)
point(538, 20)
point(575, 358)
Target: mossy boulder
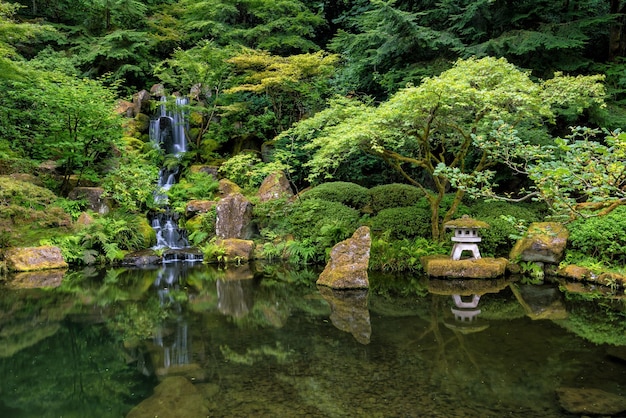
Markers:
point(237, 250)
point(481, 268)
point(33, 258)
point(148, 234)
point(544, 242)
point(275, 186)
point(227, 187)
point(349, 259)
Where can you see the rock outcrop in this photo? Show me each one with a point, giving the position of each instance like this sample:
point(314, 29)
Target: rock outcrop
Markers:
point(195, 207)
point(234, 217)
point(347, 268)
point(34, 258)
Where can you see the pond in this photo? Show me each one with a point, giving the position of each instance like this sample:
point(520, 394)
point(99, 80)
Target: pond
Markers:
point(265, 341)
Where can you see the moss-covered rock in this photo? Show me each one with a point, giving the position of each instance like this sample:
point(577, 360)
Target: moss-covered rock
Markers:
point(482, 268)
point(33, 258)
point(543, 241)
point(347, 268)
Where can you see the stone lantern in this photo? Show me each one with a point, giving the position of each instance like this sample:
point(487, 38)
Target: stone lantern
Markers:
point(465, 236)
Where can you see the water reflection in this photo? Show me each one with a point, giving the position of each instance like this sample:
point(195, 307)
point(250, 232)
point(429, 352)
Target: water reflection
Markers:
point(349, 311)
point(259, 343)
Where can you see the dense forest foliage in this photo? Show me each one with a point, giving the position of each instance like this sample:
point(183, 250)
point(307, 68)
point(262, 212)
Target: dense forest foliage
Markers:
point(512, 100)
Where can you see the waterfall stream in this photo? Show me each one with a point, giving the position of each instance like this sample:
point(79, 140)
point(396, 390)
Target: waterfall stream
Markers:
point(167, 132)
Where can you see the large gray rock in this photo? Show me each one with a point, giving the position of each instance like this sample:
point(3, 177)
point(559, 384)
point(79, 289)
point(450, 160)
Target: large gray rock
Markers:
point(347, 268)
point(234, 217)
point(34, 258)
point(544, 242)
point(275, 186)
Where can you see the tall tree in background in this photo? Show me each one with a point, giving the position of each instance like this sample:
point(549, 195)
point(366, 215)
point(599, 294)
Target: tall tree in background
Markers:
point(279, 26)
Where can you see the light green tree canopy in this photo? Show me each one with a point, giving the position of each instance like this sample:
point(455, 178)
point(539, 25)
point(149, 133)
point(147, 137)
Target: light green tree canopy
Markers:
point(442, 134)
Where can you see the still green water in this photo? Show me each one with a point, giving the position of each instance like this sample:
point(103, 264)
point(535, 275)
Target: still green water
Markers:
point(269, 343)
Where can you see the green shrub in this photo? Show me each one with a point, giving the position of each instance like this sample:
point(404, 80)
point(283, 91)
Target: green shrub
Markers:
point(492, 209)
point(132, 184)
point(445, 205)
point(507, 221)
point(402, 255)
point(349, 194)
point(248, 171)
point(394, 195)
point(602, 237)
point(106, 239)
point(400, 223)
point(321, 224)
point(194, 186)
point(273, 215)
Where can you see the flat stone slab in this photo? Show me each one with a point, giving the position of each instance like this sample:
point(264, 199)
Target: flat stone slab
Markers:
point(482, 268)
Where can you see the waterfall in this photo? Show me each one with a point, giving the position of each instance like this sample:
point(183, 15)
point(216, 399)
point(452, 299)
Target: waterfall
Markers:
point(167, 132)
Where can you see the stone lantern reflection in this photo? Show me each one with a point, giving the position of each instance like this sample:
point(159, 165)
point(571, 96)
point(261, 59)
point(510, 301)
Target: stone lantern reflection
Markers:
point(465, 236)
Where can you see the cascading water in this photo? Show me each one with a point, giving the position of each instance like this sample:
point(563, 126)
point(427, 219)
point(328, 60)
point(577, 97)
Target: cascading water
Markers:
point(167, 132)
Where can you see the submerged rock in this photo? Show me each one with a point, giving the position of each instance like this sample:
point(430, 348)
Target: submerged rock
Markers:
point(590, 401)
point(34, 258)
point(141, 258)
point(175, 397)
point(347, 268)
point(544, 242)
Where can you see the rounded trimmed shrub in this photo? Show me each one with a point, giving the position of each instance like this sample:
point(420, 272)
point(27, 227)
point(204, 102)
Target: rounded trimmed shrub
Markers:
point(403, 222)
point(394, 195)
point(349, 194)
point(309, 216)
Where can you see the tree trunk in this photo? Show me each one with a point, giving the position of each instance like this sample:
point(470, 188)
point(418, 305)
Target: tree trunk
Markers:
point(617, 37)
